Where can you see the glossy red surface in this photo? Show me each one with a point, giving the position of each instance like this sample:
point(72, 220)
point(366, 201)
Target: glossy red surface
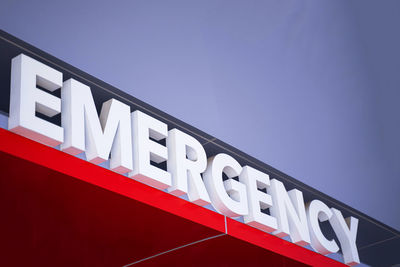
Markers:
point(58, 210)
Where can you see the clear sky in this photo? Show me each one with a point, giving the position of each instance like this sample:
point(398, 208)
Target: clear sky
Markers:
point(309, 87)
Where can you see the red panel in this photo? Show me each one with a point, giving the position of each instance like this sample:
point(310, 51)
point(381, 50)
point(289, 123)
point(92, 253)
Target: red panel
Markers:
point(59, 210)
point(221, 251)
point(278, 245)
point(50, 219)
point(56, 160)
